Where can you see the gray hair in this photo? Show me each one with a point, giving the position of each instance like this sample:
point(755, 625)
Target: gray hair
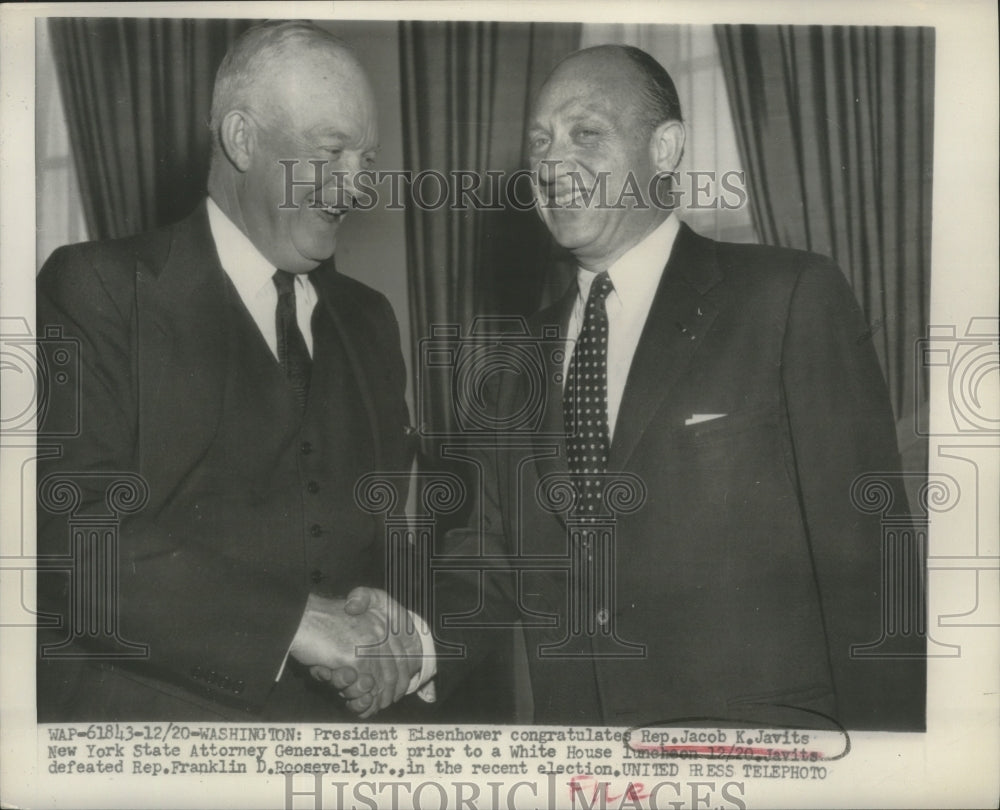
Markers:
point(252, 55)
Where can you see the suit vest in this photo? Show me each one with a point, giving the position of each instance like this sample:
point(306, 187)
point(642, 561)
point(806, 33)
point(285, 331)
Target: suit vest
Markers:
point(275, 465)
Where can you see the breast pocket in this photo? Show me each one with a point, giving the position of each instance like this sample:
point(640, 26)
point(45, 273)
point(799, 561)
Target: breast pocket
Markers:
point(728, 478)
point(718, 427)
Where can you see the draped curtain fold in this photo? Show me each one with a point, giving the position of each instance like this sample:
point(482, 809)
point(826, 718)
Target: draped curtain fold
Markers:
point(835, 127)
point(137, 94)
point(466, 90)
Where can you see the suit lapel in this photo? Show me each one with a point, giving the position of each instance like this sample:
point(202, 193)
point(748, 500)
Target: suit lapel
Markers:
point(550, 438)
point(349, 320)
point(681, 314)
point(183, 346)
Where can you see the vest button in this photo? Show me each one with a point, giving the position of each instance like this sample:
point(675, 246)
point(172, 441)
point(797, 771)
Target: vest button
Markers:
point(316, 576)
point(312, 487)
point(315, 530)
point(306, 448)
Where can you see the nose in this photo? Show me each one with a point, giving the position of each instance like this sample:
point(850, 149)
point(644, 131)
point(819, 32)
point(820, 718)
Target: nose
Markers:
point(342, 183)
point(554, 169)
point(548, 170)
point(351, 164)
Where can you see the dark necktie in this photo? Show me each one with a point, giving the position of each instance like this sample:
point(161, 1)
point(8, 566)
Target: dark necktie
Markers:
point(585, 400)
point(293, 354)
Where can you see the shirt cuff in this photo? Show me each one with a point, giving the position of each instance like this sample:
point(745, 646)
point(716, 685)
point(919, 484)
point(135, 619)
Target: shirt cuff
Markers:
point(421, 682)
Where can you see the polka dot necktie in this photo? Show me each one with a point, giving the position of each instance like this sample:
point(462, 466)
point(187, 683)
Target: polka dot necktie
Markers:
point(293, 354)
point(585, 401)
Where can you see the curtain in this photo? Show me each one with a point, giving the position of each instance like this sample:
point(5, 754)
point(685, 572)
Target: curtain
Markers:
point(690, 54)
point(835, 127)
point(466, 91)
point(137, 94)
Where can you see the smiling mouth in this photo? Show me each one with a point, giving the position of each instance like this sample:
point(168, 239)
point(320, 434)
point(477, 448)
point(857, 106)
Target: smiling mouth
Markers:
point(570, 205)
point(571, 201)
point(330, 213)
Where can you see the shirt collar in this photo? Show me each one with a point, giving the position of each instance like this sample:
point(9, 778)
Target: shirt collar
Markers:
point(244, 264)
point(637, 272)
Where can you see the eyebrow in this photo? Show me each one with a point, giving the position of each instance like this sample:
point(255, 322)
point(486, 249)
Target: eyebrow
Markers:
point(577, 118)
point(328, 133)
point(336, 134)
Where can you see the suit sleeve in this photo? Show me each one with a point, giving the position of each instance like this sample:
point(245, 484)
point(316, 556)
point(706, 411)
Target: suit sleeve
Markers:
point(214, 623)
point(400, 444)
point(842, 427)
point(489, 593)
point(397, 449)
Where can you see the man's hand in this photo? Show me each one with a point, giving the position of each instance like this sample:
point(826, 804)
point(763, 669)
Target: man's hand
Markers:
point(362, 646)
point(359, 691)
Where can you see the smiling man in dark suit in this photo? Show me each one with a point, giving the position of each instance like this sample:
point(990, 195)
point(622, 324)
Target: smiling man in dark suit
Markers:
point(734, 393)
point(228, 367)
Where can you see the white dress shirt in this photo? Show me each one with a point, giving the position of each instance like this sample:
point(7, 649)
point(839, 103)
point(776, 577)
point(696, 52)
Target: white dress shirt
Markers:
point(635, 276)
point(252, 276)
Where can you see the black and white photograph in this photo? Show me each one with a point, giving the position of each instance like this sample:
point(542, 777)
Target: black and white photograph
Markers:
point(424, 405)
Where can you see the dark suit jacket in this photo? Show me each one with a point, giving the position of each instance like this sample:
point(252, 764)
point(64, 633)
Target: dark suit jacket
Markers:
point(747, 573)
point(217, 597)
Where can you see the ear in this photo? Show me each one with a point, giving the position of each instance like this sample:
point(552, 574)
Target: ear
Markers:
point(238, 138)
point(667, 145)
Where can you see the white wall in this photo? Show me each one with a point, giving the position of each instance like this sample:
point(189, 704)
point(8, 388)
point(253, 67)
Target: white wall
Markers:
point(58, 214)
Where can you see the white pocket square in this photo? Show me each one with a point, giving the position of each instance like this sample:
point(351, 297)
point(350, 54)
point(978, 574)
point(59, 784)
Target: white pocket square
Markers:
point(698, 418)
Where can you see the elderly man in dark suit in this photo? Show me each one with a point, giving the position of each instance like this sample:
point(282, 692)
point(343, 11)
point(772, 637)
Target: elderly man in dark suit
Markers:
point(733, 393)
point(230, 368)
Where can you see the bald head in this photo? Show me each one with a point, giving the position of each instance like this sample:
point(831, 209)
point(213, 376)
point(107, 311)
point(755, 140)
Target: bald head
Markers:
point(627, 75)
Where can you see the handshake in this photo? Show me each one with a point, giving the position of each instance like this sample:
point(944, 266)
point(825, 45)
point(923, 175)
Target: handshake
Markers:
point(366, 647)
